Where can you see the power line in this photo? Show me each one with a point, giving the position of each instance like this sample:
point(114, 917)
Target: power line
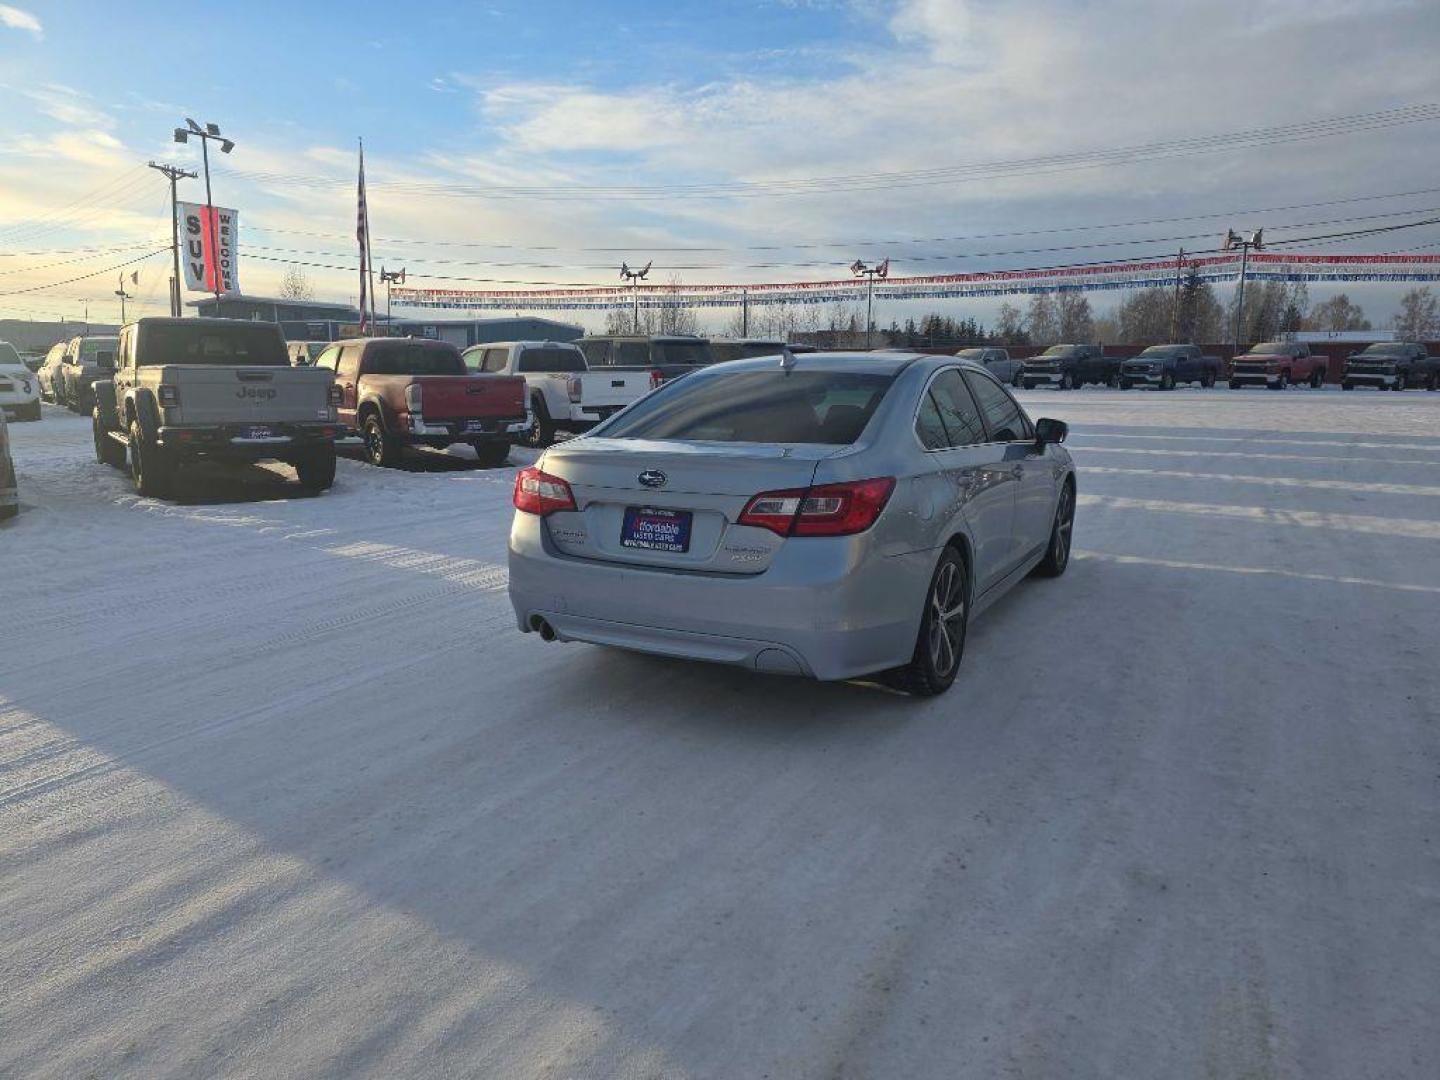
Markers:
point(82, 277)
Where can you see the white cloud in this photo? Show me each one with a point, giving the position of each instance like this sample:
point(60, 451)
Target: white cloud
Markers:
point(18, 19)
point(68, 106)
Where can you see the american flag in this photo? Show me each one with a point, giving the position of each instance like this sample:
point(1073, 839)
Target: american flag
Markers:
point(362, 230)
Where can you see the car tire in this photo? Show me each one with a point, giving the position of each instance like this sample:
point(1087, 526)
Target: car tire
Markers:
point(316, 469)
point(381, 449)
point(1433, 384)
point(1401, 382)
point(940, 644)
point(1317, 379)
point(1167, 381)
point(107, 450)
point(1234, 384)
point(1067, 381)
point(1016, 381)
point(1207, 380)
point(542, 432)
point(492, 454)
point(1125, 384)
point(1062, 533)
point(1347, 385)
point(151, 469)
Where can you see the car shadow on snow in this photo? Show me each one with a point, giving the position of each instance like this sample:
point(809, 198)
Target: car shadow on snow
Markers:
point(425, 460)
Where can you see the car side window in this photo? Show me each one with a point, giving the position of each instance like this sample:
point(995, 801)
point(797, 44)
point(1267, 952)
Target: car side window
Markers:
point(957, 410)
point(929, 428)
point(328, 358)
point(496, 359)
point(348, 364)
point(1003, 416)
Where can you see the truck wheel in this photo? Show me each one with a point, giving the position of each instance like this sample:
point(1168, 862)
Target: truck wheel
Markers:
point(1401, 383)
point(32, 411)
point(492, 454)
point(1067, 382)
point(1317, 379)
point(542, 432)
point(1433, 384)
point(107, 450)
point(1282, 383)
point(380, 449)
point(317, 469)
point(1125, 384)
point(940, 645)
point(151, 469)
point(1017, 381)
point(1167, 381)
point(1234, 384)
point(1207, 380)
point(1347, 385)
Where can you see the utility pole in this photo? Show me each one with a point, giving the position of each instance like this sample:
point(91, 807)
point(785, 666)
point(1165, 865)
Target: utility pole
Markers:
point(174, 173)
point(205, 134)
point(120, 292)
point(1175, 317)
point(744, 313)
point(1232, 241)
point(870, 273)
point(389, 277)
point(634, 277)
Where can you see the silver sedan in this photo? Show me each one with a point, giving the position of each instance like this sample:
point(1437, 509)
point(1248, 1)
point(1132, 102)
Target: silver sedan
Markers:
point(832, 515)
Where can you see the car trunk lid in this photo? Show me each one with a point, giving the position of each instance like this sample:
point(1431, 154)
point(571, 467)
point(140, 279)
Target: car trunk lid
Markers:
point(684, 514)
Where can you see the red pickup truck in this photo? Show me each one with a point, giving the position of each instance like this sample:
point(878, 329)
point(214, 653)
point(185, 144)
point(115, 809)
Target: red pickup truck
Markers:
point(1278, 364)
point(397, 392)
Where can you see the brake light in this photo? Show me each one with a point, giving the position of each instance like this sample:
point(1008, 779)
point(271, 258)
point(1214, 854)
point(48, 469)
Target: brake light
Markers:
point(823, 510)
point(169, 395)
point(656, 378)
point(572, 387)
point(336, 394)
point(537, 492)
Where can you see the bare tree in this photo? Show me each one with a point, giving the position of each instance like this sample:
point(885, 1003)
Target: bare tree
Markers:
point(1072, 312)
point(1010, 325)
point(1419, 316)
point(1337, 314)
point(1145, 316)
point(295, 285)
point(1042, 321)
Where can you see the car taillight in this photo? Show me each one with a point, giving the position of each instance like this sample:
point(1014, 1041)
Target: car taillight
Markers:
point(537, 492)
point(572, 387)
point(337, 396)
point(168, 394)
point(823, 510)
point(412, 397)
point(656, 378)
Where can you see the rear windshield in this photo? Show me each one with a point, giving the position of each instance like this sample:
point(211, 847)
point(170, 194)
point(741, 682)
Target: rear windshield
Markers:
point(1273, 348)
point(552, 360)
point(1060, 350)
point(1162, 351)
point(412, 358)
point(1385, 350)
point(682, 352)
point(8, 355)
point(830, 407)
point(100, 349)
point(258, 345)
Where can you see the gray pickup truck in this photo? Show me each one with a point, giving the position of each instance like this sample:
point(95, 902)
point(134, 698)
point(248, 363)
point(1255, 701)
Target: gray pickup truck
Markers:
point(213, 389)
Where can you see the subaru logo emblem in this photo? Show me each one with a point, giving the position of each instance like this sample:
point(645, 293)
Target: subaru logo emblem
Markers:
point(652, 478)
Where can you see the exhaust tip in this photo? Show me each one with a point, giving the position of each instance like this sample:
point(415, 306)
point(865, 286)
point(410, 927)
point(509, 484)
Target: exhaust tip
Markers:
point(543, 628)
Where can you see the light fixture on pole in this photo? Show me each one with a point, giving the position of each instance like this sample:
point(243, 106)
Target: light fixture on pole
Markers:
point(174, 173)
point(205, 135)
point(120, 292)
point(1234, 240)
point(870, 273)
point(389, 277)
point(634, 277)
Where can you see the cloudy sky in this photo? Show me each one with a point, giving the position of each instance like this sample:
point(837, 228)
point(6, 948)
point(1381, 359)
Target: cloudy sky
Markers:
point(640, 129)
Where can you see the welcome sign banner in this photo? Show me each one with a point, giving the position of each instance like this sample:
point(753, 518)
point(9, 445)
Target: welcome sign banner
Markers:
point(209, 249)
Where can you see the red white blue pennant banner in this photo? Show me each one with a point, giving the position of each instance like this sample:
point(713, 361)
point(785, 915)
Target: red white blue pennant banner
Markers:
point(1136, 275)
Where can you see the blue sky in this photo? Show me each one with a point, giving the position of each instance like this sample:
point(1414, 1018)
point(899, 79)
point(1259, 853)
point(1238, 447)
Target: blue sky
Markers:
point(608, 94)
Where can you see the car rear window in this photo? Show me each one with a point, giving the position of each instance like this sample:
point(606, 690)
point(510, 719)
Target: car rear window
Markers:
point(682, 352)
point(551, 360)
point(8, 355)
point(412, 358)
point(777, 406)
point(257, 345)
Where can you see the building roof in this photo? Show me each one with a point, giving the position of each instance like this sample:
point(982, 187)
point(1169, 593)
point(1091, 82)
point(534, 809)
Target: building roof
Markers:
point(279, 301)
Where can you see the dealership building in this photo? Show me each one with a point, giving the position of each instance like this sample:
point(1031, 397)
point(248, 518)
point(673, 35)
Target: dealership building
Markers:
point(315, 320)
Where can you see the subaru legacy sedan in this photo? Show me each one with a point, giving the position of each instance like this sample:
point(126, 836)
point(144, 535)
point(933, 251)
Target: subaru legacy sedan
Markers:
point(830, 515)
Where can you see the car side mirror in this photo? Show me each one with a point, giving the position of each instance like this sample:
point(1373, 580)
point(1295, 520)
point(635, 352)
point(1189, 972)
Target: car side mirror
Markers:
point(1051, 431)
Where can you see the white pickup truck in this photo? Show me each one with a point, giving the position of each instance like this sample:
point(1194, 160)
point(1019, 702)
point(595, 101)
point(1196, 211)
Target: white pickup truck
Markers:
point(565, 393)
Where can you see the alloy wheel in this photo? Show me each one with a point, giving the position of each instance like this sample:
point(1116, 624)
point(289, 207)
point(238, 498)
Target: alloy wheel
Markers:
point(947, 619)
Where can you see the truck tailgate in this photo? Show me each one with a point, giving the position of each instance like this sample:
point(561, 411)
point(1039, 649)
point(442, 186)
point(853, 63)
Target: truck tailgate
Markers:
point(471, 397)
point(606, 389)
point(228, 395)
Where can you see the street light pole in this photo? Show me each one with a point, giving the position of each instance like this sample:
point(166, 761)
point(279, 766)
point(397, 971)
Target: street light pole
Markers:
point(120, 292)
point(870, 273)
point(390, 277)
point(634, 277)
point(205, 134)
point(1175, 315)
point(1233, 240)
point(174, 173)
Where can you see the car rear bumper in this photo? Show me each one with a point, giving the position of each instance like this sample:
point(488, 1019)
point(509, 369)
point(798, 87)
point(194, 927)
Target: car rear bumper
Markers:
point(461, 429)
point(234, 442)
point(809, 614)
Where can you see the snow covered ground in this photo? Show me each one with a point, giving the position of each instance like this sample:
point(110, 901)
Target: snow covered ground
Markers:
point(283, 793)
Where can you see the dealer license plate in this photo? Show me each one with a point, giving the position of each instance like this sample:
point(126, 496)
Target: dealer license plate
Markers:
point(656, 530)
point(257, 433)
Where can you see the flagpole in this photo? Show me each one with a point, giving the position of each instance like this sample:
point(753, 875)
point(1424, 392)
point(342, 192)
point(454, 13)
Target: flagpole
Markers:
point(369, 255)
point(362, 227)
